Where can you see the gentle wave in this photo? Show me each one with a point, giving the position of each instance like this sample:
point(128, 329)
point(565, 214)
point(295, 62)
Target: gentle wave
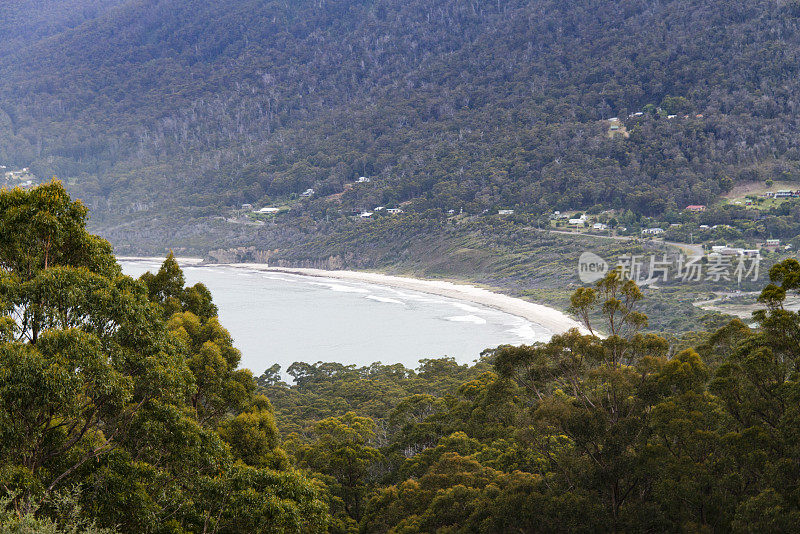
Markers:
point(339, 288)
point(384, 299)
point(474, 319)
point(467, 307)
point(281, 278)
point(418, 297)
point(527, 333)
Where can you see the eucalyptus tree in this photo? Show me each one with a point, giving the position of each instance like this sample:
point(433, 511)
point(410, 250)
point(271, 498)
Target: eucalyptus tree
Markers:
point(100, 394)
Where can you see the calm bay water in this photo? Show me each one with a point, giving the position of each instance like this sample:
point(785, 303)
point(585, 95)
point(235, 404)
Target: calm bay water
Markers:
point(280, 318)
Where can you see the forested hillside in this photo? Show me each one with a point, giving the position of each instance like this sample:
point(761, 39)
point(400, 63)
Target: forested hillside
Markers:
point(155, 105)
point(628, 433)
point(123, 409)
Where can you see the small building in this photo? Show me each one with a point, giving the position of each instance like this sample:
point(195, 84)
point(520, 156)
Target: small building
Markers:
point(599, 226)
point(504, 212)
point(731, 251)
point(269, 210)
point(784, 193)
point(773, 242)
point(364, 180)
point(379, 208)
point(394, 211)
point(307, 193)
point(247, 207)
point(653, 231)
point(696, 207)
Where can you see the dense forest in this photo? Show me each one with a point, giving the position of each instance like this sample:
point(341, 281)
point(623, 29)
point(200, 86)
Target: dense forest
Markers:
point(123, 409)
point(153, 109)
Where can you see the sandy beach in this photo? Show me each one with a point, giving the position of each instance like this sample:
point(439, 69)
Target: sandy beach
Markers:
point(551, 319)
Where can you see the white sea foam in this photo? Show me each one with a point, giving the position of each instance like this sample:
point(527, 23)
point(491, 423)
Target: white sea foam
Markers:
point(467, 307)
point(528, 333)
point(384, 299)
point(417, 297)
point(339, 288)
point(282, 278)
point(474, 319)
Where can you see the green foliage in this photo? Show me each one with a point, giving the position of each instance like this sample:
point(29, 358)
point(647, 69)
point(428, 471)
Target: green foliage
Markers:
point(580, 434)
point(122, 409)
point(101, 397)
point(204, 106)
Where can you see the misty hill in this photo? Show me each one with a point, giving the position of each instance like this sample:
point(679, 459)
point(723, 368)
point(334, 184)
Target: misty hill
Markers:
point(144, 106)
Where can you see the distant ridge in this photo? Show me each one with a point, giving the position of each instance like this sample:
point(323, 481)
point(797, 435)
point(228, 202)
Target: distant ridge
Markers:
point(193, 108)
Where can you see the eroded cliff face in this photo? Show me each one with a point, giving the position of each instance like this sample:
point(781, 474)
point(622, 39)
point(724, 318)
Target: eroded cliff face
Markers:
point(238, 255)
point(277, 258)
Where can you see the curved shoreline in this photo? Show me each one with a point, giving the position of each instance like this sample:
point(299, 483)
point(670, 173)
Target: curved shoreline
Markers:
point(551, 319)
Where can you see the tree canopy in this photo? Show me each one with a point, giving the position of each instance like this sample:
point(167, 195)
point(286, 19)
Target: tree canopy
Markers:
point(117, 410)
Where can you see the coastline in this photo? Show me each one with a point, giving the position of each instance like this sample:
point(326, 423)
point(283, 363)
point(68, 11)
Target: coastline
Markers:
point(553, 320)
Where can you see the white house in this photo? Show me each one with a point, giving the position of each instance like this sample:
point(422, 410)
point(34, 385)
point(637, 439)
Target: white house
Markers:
point(580, 221)
point(269, 210)
point(365, 214)
point(363, 180)
point(394, 211)
point(307, 193)
point(653, 231)
point(600, 226)
point(505, 212)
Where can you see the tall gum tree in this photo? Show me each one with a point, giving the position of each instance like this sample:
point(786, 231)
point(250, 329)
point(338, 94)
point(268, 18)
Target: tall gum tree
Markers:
point(116, 388)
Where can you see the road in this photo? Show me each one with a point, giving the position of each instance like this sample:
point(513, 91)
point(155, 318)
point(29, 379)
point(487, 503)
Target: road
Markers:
point(689, 250)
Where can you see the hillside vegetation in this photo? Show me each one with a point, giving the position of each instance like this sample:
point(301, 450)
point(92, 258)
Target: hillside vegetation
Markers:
point(144, 106)
point(123, 409)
